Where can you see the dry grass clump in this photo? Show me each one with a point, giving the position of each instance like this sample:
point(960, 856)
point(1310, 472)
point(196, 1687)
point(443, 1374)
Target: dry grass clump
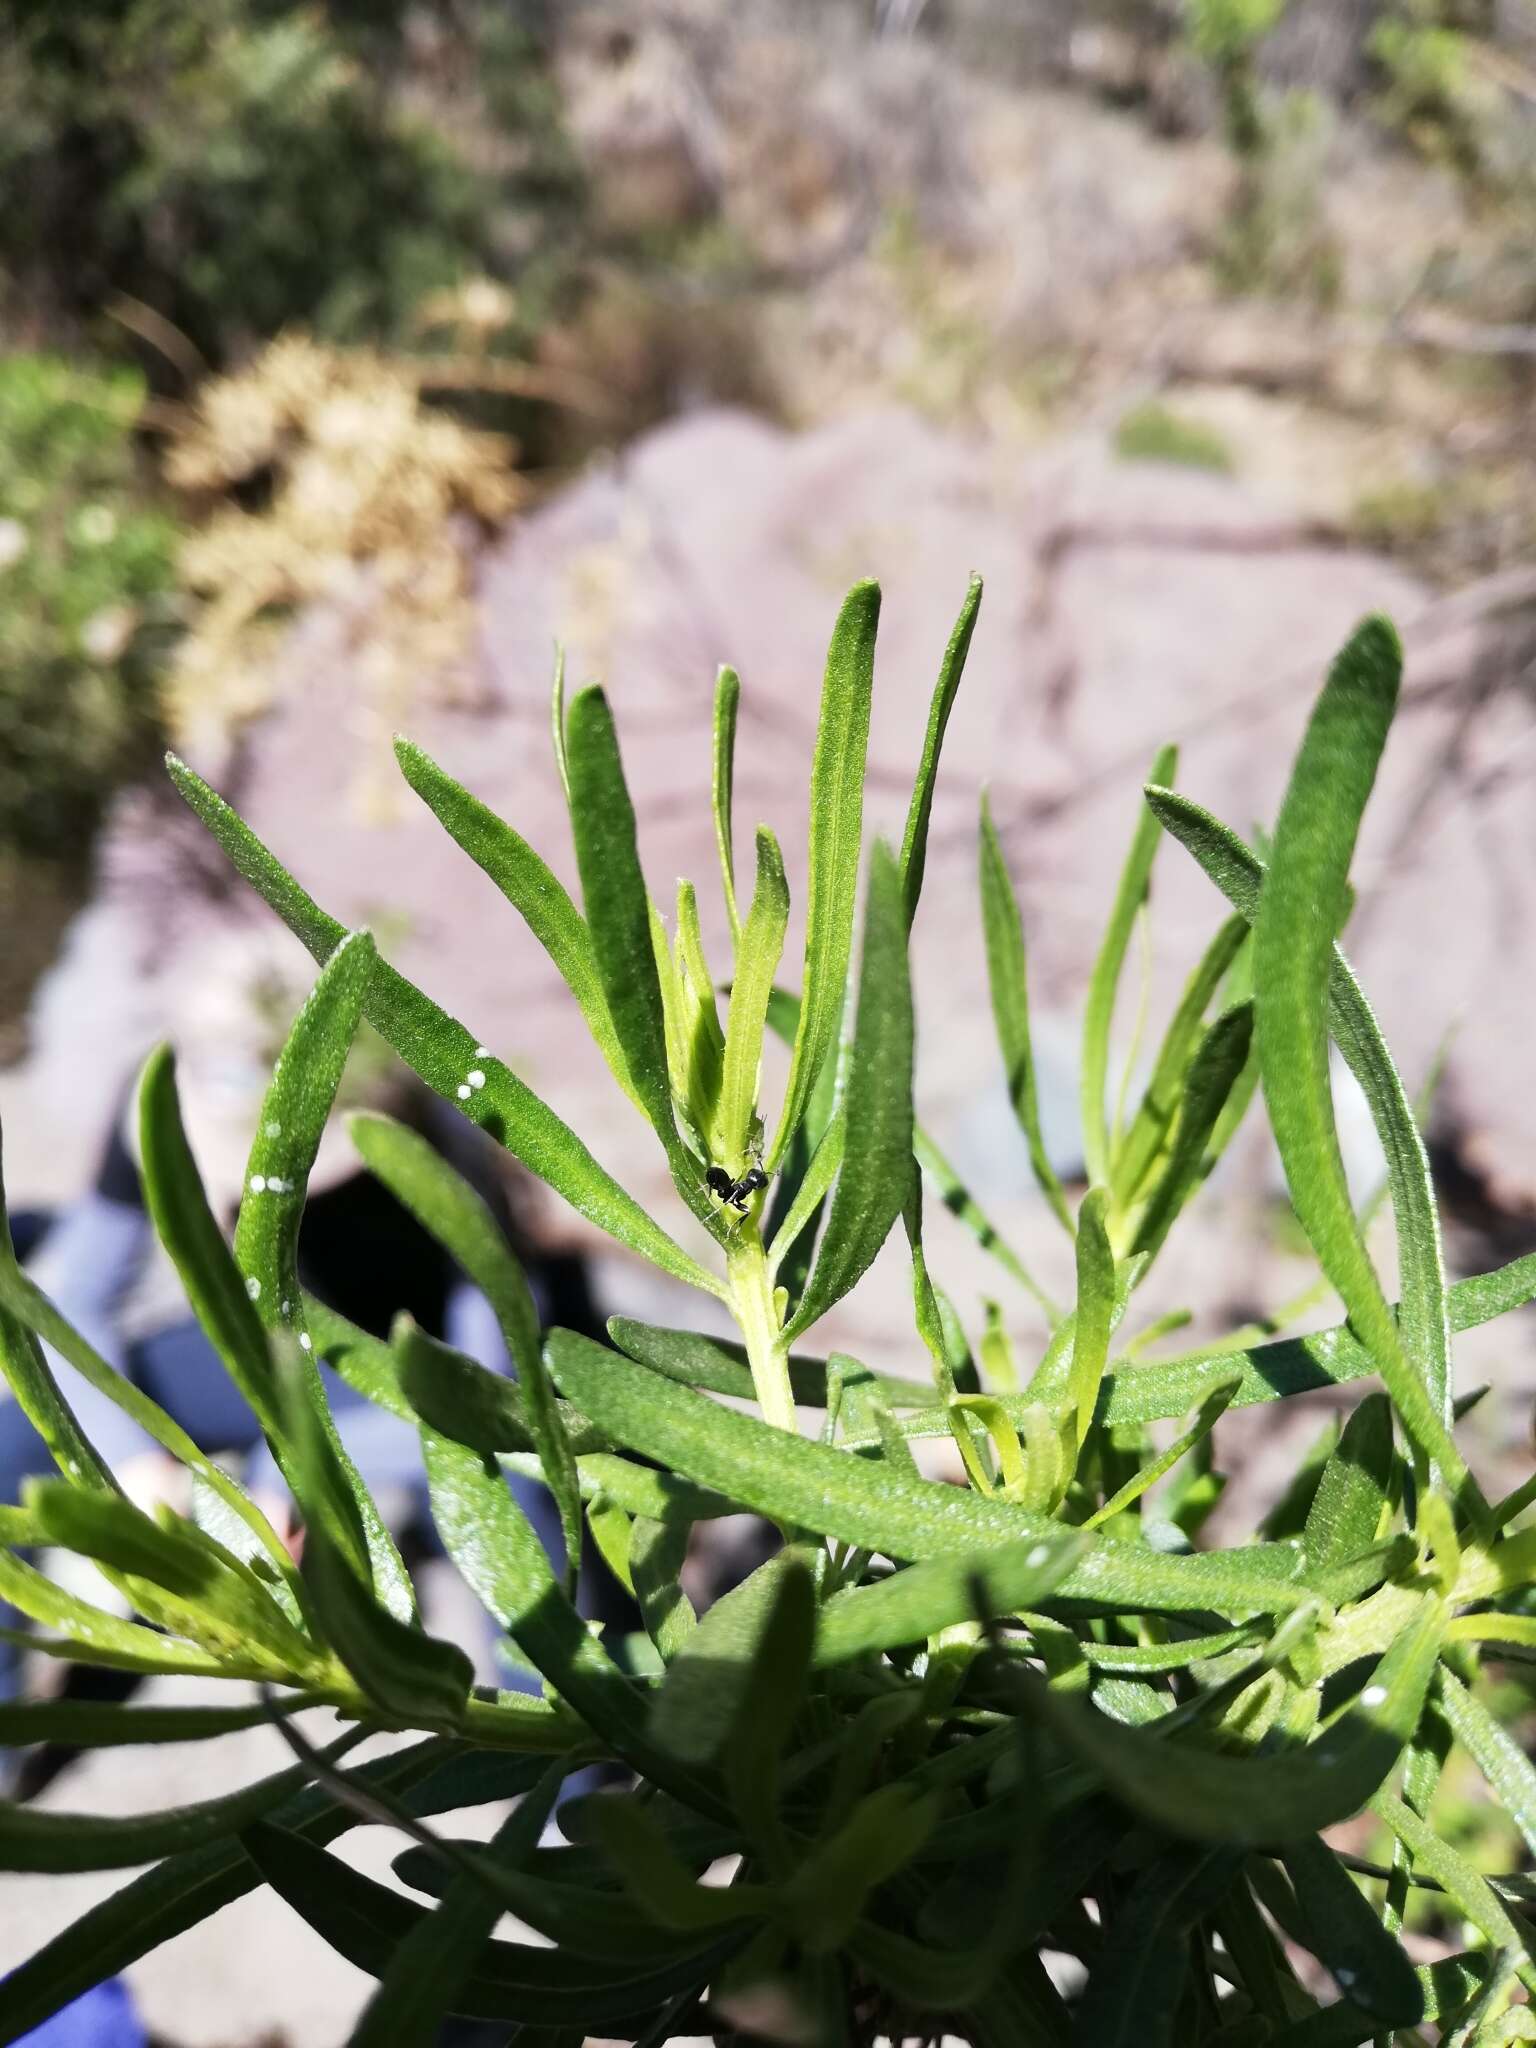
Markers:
point(340, 484)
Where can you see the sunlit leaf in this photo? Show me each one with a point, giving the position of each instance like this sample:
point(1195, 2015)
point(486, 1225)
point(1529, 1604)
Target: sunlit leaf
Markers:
point(1130, 897)
point(723, 785)
point(836, 830)
point(529, 885)
point(757, 960)
point(914, 841)
point(1007, 976)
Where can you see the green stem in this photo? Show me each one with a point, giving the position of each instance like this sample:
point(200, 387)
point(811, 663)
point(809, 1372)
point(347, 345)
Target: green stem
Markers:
point(752, 1304)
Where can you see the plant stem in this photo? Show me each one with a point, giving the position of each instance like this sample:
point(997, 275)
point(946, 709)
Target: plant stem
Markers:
point(751, 1293)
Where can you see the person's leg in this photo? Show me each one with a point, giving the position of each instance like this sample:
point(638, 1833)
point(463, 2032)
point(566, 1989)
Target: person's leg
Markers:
point(179, 1368)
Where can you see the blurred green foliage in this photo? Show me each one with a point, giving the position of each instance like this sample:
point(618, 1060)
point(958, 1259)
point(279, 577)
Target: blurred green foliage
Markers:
point(1152, 433)
point(240, 165)
point(86, 563)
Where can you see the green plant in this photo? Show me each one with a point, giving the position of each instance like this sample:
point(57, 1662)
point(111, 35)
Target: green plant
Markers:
point(1430, 92)
point(1153, 433)
point(238, 165)
point(947, 1729)
point(1226, 35)
point(86, 567)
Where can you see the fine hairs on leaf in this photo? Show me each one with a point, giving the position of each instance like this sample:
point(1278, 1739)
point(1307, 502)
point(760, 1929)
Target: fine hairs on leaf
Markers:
point(1035, 1752)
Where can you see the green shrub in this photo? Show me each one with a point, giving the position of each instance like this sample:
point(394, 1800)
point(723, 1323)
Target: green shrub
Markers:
point(1429, 93)
point(86, 564)
point(240, 165)
point(947, 1729)
point(1152, 433)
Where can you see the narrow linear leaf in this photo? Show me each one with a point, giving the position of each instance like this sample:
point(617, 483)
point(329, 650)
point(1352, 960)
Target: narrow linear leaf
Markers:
point(217, 1600)
point(1135, 881)
point(532, 888)
point(1094, 1316)
point(185, 1223)
point(90, 1635)
point(1239, 875)
point(879, 1508)
point(1348, 1939)
point(1467, 1889)
point(764, 1720)
point(26, 1371)
point(836, 836)
point(1008, 979)
point(1279, 1797)
point(1152, 1126)
point(1352, 1493)
point(294, 1111)
point(1300, 908)
point(187, 1888)
point(964, 1207)
point(710, 1681)
point(759, 946)
point(618, 914)
point(1505, 1765)
point(92, 1724)
point(723, 785)
point(443, 1053)
point(720, 1366)
point(22, 1297)
point(914, 841)
point(914, 1604)
point(877, 1157)
point(416, 1992)
point(702, 1041)
point(44, 1840)
point(1208, 1414)
point(504, 1564)
point(1295, 1365)
point(557, 720)
point(658, 1551)
point(1213, 1075)
point(366, 1922)
point(1136, 1986)
point(793, 1238)
point(447, 1207)
point(411, 1676)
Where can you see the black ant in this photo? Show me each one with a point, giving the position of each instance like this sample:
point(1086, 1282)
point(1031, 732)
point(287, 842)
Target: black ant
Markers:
point(724, 1189)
